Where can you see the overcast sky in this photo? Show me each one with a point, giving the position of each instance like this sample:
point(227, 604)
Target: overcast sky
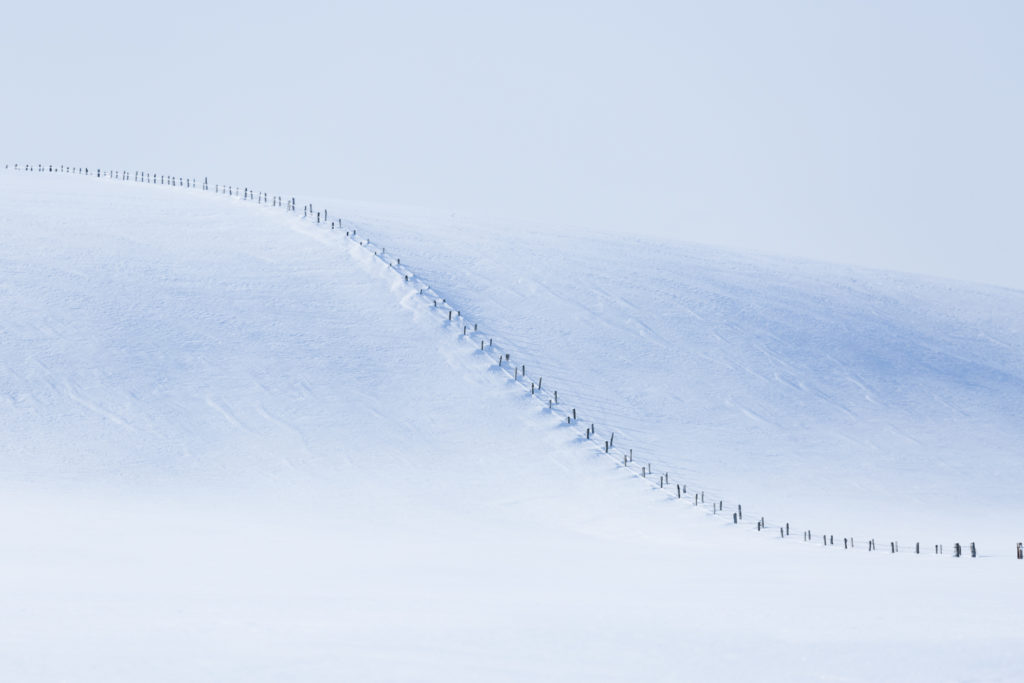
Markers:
point(886, 134)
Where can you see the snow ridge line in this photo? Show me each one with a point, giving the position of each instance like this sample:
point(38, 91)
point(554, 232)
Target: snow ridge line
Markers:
point(711, 506)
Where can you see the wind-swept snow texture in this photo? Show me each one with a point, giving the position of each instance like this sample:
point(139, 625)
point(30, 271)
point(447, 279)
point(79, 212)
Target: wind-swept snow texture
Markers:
point(239, 446)
point(845, 401)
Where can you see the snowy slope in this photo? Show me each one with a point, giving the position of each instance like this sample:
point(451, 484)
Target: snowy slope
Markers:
point(856, 402)
point(238, 446)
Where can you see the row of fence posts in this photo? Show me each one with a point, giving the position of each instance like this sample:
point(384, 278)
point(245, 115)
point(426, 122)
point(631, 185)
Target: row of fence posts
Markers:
point(609, 444)
point(245, 193)
point(535, 387)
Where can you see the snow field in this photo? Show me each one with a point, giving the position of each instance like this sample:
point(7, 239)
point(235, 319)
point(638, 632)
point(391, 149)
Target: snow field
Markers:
point(241, 447)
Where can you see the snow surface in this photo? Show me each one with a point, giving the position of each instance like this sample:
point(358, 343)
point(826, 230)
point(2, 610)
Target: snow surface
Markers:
point(241, 446)
point(857, 402)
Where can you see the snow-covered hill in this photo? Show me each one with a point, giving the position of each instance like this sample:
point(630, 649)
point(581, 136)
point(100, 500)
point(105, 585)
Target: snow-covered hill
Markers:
point(851, 401)
point(239, 445)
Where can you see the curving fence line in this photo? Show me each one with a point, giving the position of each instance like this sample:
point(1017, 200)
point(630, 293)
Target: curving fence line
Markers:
point(597, 439)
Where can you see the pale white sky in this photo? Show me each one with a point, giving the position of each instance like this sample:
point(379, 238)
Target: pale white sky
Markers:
point(887, 134)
